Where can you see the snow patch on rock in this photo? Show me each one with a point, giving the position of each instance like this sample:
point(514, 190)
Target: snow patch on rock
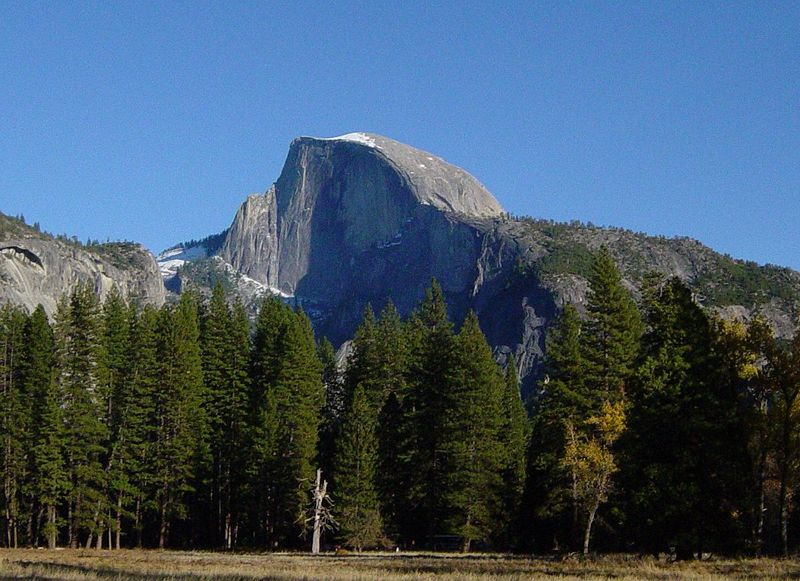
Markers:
point(358, 137)
point(173, 258)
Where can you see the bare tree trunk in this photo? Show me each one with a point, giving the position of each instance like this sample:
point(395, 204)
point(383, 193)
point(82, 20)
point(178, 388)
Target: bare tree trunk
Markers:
point(762, 509)
point(588, 533)
point(29, 529)
point(576, 526)
point(137, 523)
point(467, 541)
point(783, 509)
point(51, 527)
point(319, 494)
point(73, 528)
point(163, 528)
point(38, 531)
point(118, 521)
point(99, 531)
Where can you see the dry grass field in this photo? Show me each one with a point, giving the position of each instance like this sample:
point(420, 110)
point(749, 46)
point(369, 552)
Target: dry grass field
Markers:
point(174, 566)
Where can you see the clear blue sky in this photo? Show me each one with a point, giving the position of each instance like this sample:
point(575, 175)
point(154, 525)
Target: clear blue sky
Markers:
point(152, 121)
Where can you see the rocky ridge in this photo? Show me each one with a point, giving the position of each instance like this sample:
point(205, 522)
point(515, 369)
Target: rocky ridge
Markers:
point(37, 268)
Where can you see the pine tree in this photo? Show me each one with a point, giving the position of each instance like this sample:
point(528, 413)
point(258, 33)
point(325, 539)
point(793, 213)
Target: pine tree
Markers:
point(565, 397)
point(364, 361)
point(117, 344)
point(15, 426)
point(262, 437)
point(393, 372)
point(181, 439)
point(299, 397)
point(83, 384)
point(784, 367)
point(356, 500)
point(215, 337)
point(684, 445)
point(139, 420)
point(235, 418)
point(48, 480)
point(612, 332)
point(332, 410)
point(514, 439)
point(471, 448)
point(431, 345)
point(566, 392)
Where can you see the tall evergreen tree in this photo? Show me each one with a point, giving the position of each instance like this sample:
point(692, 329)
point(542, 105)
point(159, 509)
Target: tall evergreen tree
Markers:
point(117, 324)
point(784, 364)
point(514, 439)
point(262, 437)
point(224, 399)
point(612, 332)
point(684, 444)
point(48, 481)
point(15, 426)
point(566, 397)
point(81, 364)
point(181, 439)
point(471, 447)
point(566, 391)
point(357, 509)
point(286, 402)
point(140, 424)
point(431, 352)
point(364, 361)
point(299, 397)
point(393, 374)
point(235, 422)
point(333, 409)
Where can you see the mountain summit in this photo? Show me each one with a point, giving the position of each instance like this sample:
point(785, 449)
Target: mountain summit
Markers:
point(344, 199)
point(429, 179)
point(361, 218)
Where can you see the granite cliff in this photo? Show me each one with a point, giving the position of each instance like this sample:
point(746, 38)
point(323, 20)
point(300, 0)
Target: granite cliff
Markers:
point(36, 267)
point(362, 218)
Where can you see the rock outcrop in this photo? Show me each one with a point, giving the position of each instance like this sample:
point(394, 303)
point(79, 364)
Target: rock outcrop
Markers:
point(363, 219)
point(339, 198)
point(36, 268)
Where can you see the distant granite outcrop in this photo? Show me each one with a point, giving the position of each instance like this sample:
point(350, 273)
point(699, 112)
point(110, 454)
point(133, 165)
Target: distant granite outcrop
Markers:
point(36, 268)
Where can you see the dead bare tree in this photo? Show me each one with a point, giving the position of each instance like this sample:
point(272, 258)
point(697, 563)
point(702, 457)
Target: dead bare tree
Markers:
point(321, 516)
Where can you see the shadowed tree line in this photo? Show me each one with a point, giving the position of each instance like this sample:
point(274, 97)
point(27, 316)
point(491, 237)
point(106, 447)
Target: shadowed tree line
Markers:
point(656, 428)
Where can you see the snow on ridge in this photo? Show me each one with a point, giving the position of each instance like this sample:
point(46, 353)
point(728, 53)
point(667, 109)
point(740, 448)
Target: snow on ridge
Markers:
point(172, 259)
point(258, 288)
point(358, 137)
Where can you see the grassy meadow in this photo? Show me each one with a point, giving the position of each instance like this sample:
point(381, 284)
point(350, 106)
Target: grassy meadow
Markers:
point(197, 566)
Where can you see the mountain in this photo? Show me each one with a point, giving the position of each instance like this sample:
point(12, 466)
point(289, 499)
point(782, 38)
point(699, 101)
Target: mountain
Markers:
point(362, 218)
point(36, 267)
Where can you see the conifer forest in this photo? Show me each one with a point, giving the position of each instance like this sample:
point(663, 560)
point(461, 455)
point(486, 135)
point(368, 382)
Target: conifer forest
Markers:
point(656, 427)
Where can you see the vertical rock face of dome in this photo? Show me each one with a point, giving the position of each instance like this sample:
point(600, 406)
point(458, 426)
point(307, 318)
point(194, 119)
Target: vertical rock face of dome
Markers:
point(340, 199)
point(360, 219)
point(251, 244)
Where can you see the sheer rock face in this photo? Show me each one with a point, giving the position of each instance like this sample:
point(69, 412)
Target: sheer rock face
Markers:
point(364, 219)
point(35, 269)
point(251, 246)
point(361, 196)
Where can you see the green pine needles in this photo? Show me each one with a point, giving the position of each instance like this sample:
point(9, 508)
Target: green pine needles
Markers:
point(655, 427)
